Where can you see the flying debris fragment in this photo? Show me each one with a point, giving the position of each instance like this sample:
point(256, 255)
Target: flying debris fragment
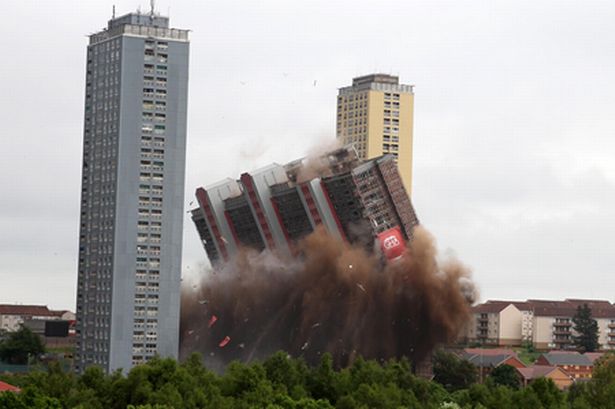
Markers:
point(191, 332)
point(224, 342)
point(310, 301)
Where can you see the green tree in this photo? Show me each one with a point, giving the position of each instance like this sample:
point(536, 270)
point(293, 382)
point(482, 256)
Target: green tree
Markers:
point(600, 392)
point(453, 372)
point(586, 328)
point(20, 345)
point(505, 375)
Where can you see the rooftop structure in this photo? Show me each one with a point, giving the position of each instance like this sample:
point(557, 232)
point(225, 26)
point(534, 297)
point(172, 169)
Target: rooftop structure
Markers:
point(275, 206)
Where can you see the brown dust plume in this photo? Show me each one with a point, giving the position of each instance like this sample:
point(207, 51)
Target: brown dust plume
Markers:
point(334, 298)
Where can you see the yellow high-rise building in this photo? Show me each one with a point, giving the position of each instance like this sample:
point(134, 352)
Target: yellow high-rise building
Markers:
point(376, 114)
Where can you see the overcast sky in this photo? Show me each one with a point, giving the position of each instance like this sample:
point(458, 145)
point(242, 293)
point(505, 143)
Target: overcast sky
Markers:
point(514, 168)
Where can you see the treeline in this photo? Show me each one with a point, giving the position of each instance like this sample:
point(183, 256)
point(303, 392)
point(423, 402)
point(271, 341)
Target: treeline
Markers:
point(281, 382)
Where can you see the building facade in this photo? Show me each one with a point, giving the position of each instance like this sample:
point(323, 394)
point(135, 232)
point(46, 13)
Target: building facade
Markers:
point(13, 316)
point(275, 206)
point(546, 324)
point(132, 192)
point(495, 323)
point(578, 366)
point(376, 114)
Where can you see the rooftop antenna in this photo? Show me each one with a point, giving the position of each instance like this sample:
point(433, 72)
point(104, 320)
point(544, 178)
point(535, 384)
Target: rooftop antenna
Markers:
point(113, 13)
point(152, 6)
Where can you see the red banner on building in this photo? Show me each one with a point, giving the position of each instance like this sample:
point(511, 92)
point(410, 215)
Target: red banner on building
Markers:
point(392, 243)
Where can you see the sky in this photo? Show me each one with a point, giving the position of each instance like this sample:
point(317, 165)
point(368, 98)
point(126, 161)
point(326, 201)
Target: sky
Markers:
point(514, 134)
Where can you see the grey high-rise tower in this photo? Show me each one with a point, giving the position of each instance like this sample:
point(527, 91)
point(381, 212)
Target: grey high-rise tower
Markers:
point(134, 148)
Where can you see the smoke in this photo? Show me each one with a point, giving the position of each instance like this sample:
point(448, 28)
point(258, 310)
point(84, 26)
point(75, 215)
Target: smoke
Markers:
point(334, 298)
point(316, 164)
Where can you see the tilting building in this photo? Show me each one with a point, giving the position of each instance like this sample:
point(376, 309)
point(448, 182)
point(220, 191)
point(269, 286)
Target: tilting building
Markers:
point(275, 206)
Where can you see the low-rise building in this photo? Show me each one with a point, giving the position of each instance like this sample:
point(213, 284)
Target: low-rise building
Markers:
point(13, 316)
point(554, 329)
point(5, 387)
point(495, 323)
point(578, 366)
point(546, 324)
point(485, 363)
point(561, 379)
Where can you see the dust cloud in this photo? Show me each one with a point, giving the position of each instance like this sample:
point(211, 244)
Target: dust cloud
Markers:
point(334, 298)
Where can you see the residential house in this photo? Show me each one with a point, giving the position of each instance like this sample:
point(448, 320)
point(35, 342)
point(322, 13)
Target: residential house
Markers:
point(5, 387)
point(577, 365)
point(485, 363)
point(12, 316)
point(561, 379)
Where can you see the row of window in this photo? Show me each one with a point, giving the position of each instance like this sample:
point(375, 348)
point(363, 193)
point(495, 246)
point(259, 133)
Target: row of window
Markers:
point(386, 147)
point(352, 97)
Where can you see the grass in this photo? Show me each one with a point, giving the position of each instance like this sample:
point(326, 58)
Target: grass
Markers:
point(526, 357)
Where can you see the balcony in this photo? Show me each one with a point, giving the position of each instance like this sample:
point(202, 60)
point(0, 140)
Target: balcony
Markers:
point(561, 332)
point(612, 325)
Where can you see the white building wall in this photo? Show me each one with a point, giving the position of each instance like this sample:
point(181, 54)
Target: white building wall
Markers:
point(543, 332)
point(527, 324)
point(510, 326)
point(10, 322)
point(603, 332)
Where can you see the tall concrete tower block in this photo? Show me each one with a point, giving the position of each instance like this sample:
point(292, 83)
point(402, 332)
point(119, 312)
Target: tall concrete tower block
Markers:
point(132, 195)
point(376, 114)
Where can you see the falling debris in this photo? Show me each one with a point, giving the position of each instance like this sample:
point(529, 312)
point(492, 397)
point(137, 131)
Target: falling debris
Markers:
point(191, 332)
point(203, 302)
point(223, 239)
point(212, 321)
point(224, 342)
point(307, 304)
